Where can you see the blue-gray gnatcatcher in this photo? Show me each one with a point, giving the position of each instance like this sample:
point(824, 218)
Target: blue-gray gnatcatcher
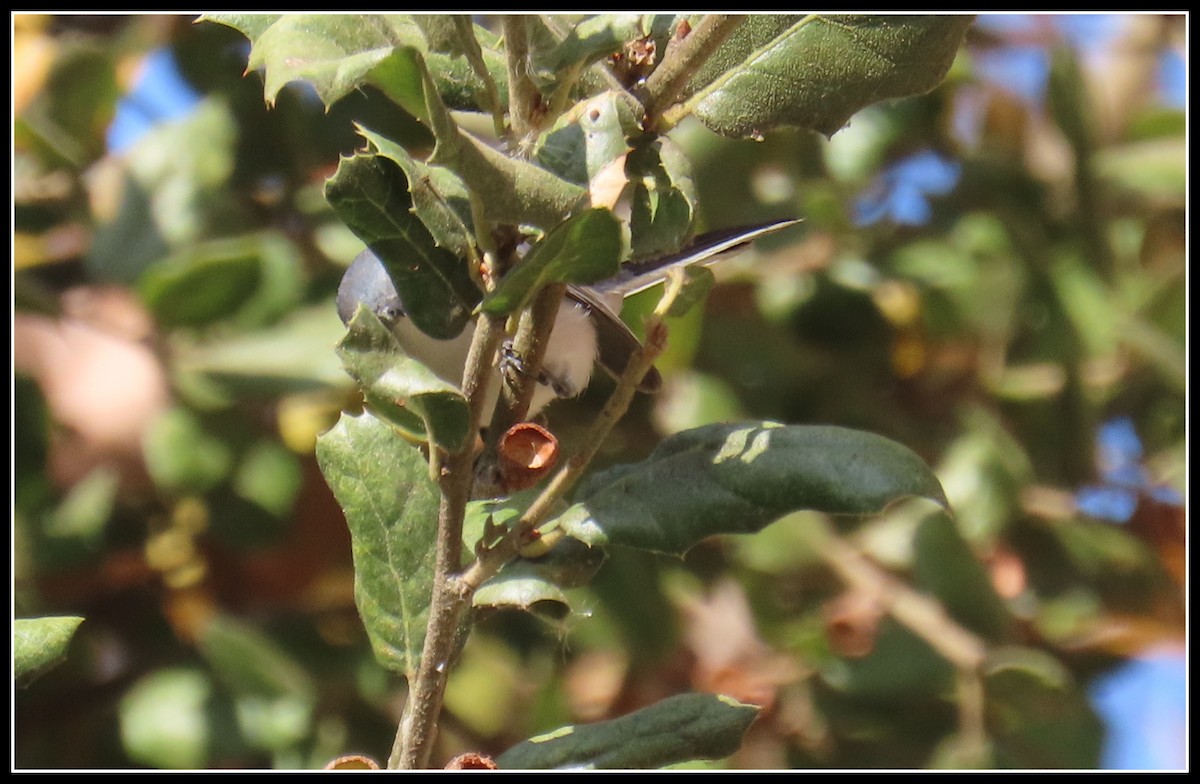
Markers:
point(587, 330)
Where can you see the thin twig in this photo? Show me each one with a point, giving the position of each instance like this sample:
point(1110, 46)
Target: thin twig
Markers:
point(529, 343)
point(523, 532)
point(523, 94)
point(681, 62)
point(470, 45)
point(922, 615)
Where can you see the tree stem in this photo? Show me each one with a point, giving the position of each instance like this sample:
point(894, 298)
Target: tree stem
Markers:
point(417, 730)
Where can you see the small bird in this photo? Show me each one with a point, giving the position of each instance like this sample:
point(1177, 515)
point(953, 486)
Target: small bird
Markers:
point(587, 330)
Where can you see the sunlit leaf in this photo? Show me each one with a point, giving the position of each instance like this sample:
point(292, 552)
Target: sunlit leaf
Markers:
point(41, 643)
point(587, 138)
point(737, 478)
point(338, 53)
point(293, 355)
point(182, 456)
point(382, 483)
point(819, 70)
point(584, 249)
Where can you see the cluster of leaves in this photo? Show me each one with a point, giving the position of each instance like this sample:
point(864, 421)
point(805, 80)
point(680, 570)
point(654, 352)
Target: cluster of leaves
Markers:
point(222, 632)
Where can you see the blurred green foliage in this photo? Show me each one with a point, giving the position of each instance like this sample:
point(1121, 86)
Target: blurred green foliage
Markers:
point(994, 333)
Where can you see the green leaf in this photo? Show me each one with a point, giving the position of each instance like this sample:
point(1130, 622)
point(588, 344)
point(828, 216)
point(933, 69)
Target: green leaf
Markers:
point(174, 193)
point(439, 32)
point(677, 729)
point(538, 584)
point(511, 190)
point(182, 456)
point(274, 696)
point(291, 356)
point(339, 53)
point(164, 719)
point(439, 197)
point(371, 194)
point(87, 506)
point(382, 483)
point(269, 475)
point(77, 100)
point(737, 478)
point(663, 197)
point(584, 249)
point(587, 138)
point(1037, 716)
point(256, 278)
point(697, 282)
point(397, 387)
point(598, 37)
point(40, 643)
point(817, 71)
point(945, 567)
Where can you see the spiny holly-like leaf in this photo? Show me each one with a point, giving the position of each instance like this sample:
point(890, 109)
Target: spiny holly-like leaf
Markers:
point(511, 190)
point(399, 388)
point(816, 71)
point(737, 478)
point(382, 483)
point(678, 729)
point(41, 643)
point(338, 53)
point(663, 197)
point(372, 195)
point(584, 249)
point(439, 197)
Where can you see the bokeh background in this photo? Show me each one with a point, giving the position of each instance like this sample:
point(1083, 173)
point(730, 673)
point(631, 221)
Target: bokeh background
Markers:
point(993, 274)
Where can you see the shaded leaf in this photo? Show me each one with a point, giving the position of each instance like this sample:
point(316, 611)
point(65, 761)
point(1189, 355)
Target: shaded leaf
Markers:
point(663, 197)
point(381, 481)
point(584, 249)
point(439, 197)
point(253, 277)
point(1037, 716)
point(677, 729)
point(173, 193)
point(526, 582)
point(371, 194)
point(399, 388)
point(697, 282)
point(945, 567)
point(273, 695)
point(291, 356)
point(40, 643)
point(820, 70)
point(737, 478)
